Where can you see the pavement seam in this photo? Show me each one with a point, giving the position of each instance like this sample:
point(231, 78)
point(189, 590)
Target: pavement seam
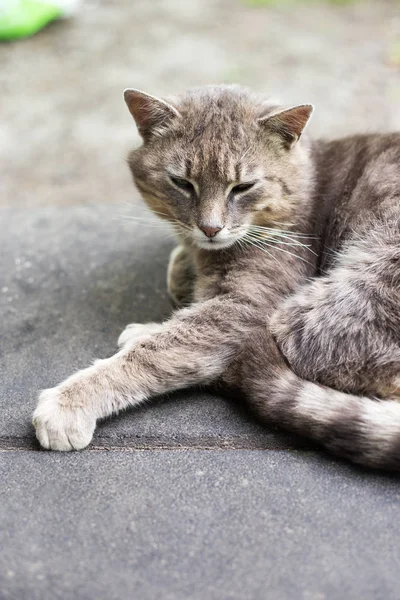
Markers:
point(27, 445)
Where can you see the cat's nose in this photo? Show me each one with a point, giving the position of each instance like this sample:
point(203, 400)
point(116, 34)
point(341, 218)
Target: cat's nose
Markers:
point(210, 231)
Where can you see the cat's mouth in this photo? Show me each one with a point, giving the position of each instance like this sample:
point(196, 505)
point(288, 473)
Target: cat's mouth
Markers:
point(215, 243)
point(225, 238)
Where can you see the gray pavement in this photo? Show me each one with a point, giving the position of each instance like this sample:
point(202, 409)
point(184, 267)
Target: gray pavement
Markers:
point(188, 496)
point(182, 525)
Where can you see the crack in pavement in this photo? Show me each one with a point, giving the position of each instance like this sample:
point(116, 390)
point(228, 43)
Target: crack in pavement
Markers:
point(8, 444)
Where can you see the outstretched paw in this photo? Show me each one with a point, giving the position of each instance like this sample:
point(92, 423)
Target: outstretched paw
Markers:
point(60, 424)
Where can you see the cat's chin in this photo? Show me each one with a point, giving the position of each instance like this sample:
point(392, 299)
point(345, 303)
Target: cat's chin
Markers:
point(213, 244)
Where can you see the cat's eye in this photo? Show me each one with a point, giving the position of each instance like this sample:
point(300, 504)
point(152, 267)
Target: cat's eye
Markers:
point(182, 184)
point(242, 187)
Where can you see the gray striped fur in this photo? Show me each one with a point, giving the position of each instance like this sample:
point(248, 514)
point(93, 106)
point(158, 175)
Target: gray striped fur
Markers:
point(305, 324)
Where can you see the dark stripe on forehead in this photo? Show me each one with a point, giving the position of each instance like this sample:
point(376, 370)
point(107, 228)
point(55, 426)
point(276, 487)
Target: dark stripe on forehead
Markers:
point(237, 172)
point(188, 168)
point(198, 133)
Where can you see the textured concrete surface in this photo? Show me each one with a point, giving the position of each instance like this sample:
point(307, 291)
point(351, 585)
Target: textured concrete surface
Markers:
point(198, 525)
point(74, 270)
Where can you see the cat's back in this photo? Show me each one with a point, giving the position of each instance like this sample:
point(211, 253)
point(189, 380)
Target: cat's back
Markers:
point(343, 166)
point(345, 159)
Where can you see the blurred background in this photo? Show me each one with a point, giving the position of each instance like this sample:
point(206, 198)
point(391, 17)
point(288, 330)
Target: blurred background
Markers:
point(65, 130)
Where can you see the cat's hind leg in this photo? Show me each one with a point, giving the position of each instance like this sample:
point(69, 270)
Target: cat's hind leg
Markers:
point(343, 328)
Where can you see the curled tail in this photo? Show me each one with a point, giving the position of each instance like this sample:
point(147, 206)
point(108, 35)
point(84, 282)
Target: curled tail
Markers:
point(361, 429)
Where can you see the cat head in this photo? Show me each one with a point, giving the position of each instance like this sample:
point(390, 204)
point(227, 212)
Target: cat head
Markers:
point(219, 160)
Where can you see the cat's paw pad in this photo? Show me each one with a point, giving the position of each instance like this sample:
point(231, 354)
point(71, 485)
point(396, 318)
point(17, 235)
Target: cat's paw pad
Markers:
point(137, 331)
point(60, 426)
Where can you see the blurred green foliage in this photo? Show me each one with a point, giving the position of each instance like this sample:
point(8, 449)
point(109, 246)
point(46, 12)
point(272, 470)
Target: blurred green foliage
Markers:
point(235, 74)
point(394, 53)
point(291, 2)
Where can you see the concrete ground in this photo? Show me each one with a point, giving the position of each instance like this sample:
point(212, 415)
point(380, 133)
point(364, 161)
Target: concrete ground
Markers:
point(188, 497)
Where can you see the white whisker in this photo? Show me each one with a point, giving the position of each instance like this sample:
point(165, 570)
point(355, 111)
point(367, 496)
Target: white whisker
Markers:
point(256, 245)
point(270, 238)
point(281, 232)
point(261, 245)
point(155, 222)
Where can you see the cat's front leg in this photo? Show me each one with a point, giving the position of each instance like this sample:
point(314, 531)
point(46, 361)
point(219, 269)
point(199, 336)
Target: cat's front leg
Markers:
point(194, 347)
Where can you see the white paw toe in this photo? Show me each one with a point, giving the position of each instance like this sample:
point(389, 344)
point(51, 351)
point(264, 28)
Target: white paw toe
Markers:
point(137, 331)
point(59, 426)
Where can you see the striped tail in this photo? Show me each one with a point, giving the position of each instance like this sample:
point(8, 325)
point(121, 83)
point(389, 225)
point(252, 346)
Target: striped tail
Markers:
point(363, 430)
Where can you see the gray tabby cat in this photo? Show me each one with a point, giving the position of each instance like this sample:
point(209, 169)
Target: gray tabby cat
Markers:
point(289, 260)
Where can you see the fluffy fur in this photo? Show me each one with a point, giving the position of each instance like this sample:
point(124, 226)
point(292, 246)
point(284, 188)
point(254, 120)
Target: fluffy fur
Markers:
point(289, 268)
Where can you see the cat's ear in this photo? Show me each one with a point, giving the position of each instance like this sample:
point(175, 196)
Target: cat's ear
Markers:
point(289, 123)
point(151, 114)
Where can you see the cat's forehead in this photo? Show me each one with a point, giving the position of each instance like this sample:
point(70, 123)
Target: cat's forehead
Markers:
point(218, 135)
point(217, 144)
point(215, 159)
